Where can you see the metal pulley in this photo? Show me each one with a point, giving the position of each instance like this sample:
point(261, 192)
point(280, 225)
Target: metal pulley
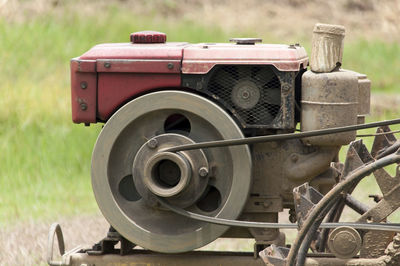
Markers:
point(130, 168)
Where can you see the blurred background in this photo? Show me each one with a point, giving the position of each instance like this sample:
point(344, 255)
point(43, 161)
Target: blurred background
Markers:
point(45, 158)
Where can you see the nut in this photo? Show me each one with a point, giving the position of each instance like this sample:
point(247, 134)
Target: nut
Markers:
point(170, 65)
point(83, 85)
point(294, 157)
point(83, 106)
point(203, 171)
point(107, 64)
point(286, 87)
point(152, 144)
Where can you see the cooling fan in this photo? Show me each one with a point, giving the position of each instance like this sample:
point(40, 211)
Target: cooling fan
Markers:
point(252, 93)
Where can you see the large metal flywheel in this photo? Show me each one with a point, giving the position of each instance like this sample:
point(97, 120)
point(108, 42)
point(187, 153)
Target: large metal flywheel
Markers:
point(130, 169)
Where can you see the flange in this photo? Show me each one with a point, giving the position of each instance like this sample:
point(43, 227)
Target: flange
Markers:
point(174, 176)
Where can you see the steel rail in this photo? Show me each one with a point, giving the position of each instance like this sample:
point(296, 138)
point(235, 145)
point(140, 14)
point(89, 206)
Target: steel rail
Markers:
point(395, 227)
point(268, 138)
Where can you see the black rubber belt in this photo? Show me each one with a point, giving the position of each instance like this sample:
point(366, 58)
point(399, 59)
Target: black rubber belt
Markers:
point(395, 227)
point(268, 138)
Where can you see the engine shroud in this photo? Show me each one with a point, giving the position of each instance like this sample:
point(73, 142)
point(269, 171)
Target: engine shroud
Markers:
point(232, 75)
point(257, 96)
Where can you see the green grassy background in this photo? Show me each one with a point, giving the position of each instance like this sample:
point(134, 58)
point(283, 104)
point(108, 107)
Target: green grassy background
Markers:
point(45, 158)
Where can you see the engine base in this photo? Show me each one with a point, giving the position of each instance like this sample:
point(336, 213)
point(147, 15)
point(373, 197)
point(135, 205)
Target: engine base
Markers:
point(143, 257)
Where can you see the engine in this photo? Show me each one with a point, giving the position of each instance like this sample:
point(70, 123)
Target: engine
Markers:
point(154, 95)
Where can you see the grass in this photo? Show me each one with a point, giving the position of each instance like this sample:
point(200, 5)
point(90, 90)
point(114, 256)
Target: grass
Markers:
point(45, 165)
point(45, 159)
point(379, 60)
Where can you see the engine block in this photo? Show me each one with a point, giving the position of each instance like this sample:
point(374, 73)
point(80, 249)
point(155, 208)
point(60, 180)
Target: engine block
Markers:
point(153, 95)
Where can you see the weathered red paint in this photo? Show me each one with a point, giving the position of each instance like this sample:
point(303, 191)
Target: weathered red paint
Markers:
point(152, 51)
point(138, 66)
point(116, 73)
point(83, 71)
point(146, 67)
point(115, 89)
point(201, 58)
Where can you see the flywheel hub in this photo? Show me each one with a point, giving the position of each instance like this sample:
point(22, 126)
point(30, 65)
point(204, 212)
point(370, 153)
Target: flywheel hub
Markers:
point(174, 176)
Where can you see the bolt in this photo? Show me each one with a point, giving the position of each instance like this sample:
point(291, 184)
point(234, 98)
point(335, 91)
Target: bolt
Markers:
point(377, 198)
point(203, 171)
point(83, 106)
point(266, 204)
point(245, 95)
point(107, 64)
point(396, 239)
point(83, 85)
point(292, 216)
point(153, 143)
point(273, 144)
point(286, 87)
point(170, 66)
point(294, 157)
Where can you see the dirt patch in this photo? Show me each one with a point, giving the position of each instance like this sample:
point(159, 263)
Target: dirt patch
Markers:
point(26, 244)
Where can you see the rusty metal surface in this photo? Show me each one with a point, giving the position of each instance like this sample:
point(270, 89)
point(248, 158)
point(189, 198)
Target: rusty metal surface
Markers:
point(329, 100)
point(140, 258)
point(393, 252)
point(364, 93)
point(278, 167)
point(305, 198)
point(276, 256)
point(382, 141)
point(390, 188)
point(355, 176)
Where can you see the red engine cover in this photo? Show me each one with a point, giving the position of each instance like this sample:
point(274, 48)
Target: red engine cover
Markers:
point(109, 75)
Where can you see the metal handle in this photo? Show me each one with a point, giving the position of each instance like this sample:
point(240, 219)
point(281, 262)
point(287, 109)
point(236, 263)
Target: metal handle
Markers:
point(55, 229)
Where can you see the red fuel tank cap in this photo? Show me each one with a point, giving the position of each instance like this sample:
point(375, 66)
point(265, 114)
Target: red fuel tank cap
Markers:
point(148, 37)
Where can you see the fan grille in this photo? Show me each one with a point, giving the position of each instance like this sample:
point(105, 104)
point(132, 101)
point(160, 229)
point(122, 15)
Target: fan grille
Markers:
point(252, 93)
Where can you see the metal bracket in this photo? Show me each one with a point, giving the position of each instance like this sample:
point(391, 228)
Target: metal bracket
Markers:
point(305, 198)
point(107, 245)
point(274, 255)
point(55, 230)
